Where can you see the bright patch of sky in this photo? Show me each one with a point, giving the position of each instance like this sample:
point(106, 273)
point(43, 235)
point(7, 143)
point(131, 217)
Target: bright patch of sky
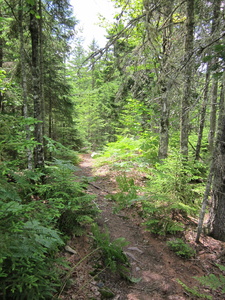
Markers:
point(87, 12)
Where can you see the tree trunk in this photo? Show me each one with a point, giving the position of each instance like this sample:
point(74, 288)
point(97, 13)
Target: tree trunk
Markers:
point(165, 86)
point(24, 82)
point(212, 130)
point(212, 149)
point(215, 28)
point(185, 104)
point(217, 214)
point(202, 114)
point(36, 91)
point(205, 202)
point(40, 23)
point(50, 119)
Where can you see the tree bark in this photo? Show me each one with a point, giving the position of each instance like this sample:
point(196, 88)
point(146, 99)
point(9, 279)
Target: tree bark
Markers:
point(205, 202)
point(36, 90)
point(212, 149)
point(185, 104)
point(50, 119)
point(212, 130)
point(40, 23)
point(24, 82)
point(215, 28)
point(217, 214)
point(202, 114)
point(165, 85)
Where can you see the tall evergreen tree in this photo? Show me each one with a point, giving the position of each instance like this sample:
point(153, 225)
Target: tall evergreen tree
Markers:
point(188, 72)
point(165, 82)
point(217, 215)
point(36, 84)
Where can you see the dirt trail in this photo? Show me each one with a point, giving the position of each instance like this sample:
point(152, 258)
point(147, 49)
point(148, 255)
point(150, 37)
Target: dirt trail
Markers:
point(149, 256)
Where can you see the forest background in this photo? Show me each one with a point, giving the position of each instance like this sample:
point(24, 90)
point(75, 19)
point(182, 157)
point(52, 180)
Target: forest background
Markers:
point(153, 97)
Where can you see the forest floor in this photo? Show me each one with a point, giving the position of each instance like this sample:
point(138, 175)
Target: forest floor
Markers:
point(151, 260)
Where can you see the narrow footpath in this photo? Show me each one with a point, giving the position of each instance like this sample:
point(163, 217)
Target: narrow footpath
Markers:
point(156, 268)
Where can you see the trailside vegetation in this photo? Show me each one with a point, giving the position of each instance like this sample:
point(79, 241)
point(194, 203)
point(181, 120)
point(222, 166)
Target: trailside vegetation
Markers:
point(151, 100)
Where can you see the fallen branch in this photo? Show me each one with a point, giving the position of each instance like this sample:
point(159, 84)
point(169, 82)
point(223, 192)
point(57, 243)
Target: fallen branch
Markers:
point(97, 187)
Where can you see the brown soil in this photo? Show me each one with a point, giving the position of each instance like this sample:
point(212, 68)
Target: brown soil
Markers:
point(149, 256)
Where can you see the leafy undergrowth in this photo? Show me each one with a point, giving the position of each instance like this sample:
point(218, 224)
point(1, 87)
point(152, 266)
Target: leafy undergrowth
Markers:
point(167, 196)
point(165, 191)
point(40, 210)
point(161, 266)
point(128, 152)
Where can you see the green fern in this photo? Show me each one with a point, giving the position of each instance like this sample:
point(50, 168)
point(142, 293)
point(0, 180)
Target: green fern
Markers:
point(169, 195)
point(194, 291)
point(159, 218)
point(111, 251)
point(214, 282)
point(181, 248)
point(128, 193)
point(27, 261)
point(28, 265)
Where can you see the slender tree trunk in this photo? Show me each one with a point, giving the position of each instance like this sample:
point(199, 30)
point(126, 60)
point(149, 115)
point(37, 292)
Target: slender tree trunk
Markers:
point(215, 27)
point(217, 214)
point(50, 123)
point(212, 130)
point(41, 66)
point(213, 150)
point(164, 126)
point(165, 87)
point(36, 91)
point(24, 82)
point(50, 119)
point(206, 197)
point(185, 104)
point(202, 114)
point(42, 90)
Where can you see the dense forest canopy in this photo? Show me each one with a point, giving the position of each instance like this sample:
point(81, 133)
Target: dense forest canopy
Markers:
point(156, 91)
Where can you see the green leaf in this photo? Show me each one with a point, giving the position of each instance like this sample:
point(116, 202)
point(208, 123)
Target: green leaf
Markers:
point(47, 237)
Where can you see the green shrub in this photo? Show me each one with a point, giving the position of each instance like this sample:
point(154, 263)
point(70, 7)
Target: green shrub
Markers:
point(128, 192)
point(111, 251)
point(159, 221)
point(28, 267)
point(181, 248)
point(211, 281)
point(170, 193)
point(58, 151)
point(13, 139)
point(214, 282)
point(128, 152)
point(29, 217)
